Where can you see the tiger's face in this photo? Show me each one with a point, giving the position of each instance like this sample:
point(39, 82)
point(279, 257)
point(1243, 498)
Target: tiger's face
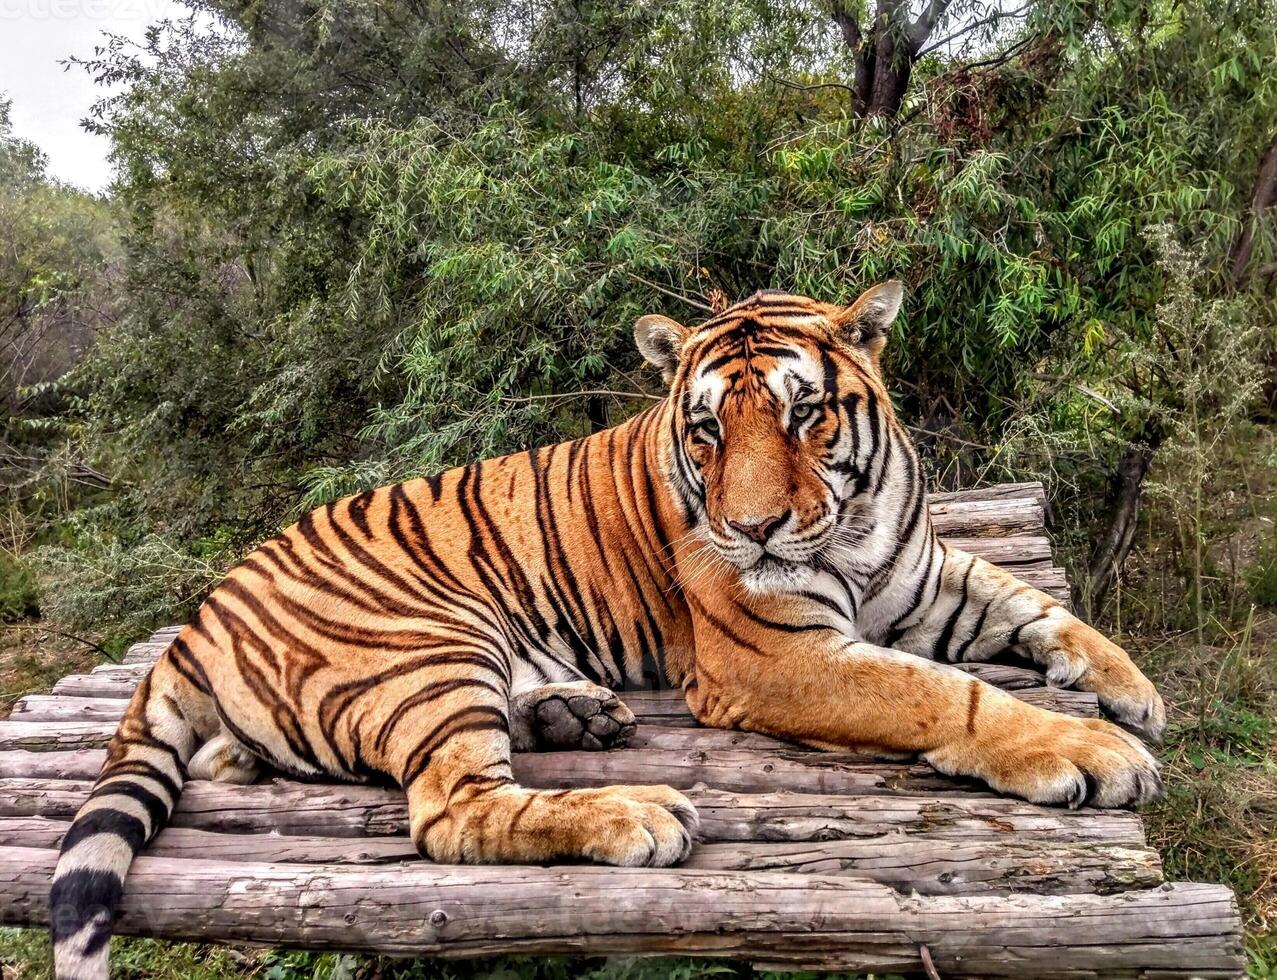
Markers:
point(776, 420)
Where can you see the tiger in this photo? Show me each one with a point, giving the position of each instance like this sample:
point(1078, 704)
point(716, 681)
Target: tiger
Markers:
point(758, 538)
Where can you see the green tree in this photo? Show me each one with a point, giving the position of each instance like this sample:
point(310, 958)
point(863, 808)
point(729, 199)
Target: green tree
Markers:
point(367, 241)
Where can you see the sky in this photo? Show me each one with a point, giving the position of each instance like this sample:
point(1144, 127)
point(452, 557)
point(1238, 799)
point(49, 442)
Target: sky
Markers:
point(48, 101)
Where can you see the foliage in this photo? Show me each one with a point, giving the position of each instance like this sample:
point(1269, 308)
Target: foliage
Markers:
point(133, 586)
point(56, 289)
point(19, 598)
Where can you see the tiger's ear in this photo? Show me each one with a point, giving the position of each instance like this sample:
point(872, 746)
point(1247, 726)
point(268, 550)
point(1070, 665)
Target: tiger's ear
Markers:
point(864, 324)
point(660, 341)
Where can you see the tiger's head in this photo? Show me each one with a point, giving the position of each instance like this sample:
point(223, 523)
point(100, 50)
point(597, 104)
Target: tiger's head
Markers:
point(778, 426)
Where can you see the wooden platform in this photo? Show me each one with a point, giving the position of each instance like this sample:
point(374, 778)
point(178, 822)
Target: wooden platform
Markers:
point(806, 859)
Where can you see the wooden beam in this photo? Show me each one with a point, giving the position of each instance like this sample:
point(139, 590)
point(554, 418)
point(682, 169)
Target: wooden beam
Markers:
point(995, 517)
point(818, 921)
point(735, 770)
point(319, 810)
point(42, 723)
point(1032, 489)
point(924, 865)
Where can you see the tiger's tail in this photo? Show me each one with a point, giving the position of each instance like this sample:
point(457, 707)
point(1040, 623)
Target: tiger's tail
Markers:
point(131, 800)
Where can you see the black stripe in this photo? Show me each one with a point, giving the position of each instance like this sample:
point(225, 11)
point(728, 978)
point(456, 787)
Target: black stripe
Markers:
point(156, 809)
point(77, 898)
point(961, 655)
point(946, 634)
point(106, 820)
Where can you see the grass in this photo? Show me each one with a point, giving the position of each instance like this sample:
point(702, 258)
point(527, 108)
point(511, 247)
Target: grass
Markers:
point(1218, 821)
point(25, 955)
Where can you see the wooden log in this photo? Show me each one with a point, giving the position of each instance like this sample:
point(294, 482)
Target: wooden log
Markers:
point(319, 810)
point(1052, 581)
point(98, 685)
point(182, 842)
point(939, 866)
point(1181, 930)
point(146, 653)
point(53, 709)
point(923, 865)
point(1013, 552)
point(68, 764)
point(50, 735)
point(63, 708)
point(736, 770)
point(987, 518)
point(665, 707)
point(1032, 489)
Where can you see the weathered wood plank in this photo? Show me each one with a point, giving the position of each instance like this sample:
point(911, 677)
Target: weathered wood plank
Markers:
point(306, 809)
point(734, 770)
point(922, 864)
point(183, 842)
point(53, 709)
point(1013, 552)
point(98, 685)
point(1032, 489)
point(987, 518)
point(62, 708)
point(70, 722)
point(148, 652)
point(452, 911)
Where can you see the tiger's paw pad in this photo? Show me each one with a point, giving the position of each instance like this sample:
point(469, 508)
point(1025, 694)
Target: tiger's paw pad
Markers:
point(579, 715)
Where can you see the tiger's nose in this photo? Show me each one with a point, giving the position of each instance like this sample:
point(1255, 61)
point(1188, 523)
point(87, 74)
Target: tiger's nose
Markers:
point(761, 529)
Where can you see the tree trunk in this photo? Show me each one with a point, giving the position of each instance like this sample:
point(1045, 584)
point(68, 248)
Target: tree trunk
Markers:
point(1128, 488)
point(883, 59)
point(885, 55)
point(1263, 196)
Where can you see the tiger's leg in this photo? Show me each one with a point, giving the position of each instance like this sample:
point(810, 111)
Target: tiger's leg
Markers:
point(453, 758)
point(571, 715)
point(224, 759)
point(980, 610)
point(835, 692)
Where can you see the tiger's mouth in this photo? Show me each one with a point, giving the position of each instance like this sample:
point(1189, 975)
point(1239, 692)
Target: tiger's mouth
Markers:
point(771, 573)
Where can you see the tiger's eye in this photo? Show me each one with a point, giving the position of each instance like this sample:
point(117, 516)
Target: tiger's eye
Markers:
point(801, 413)
point(711, 427)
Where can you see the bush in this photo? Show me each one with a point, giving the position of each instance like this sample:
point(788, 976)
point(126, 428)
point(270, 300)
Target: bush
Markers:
point(19, 595)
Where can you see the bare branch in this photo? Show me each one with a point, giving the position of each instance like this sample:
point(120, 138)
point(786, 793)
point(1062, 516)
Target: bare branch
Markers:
point(993, 18)
point(846, 22)
point(921, 28)
point(812, 87)
point(671, 293)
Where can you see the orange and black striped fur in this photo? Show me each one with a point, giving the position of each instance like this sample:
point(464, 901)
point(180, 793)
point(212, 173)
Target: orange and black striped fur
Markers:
point(759, 538)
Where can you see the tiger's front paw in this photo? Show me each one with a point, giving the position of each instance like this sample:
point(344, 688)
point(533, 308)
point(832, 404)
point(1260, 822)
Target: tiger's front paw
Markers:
point(639, 826)
point(1081, 657)
point(1066, 761)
